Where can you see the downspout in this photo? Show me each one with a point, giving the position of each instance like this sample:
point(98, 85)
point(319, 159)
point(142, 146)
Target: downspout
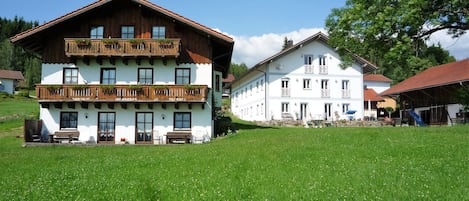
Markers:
point(265, 92)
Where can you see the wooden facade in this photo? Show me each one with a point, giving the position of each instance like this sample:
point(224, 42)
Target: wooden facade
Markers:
point(112, 16)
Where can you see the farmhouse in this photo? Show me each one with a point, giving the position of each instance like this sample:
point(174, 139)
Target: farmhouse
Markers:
point(128, 71)
point(9, 80)
point(303, 82)
point(430, 96)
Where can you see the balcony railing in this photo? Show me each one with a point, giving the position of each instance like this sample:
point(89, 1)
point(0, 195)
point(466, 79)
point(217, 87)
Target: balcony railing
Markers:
point(122, 47)
point(122, 93)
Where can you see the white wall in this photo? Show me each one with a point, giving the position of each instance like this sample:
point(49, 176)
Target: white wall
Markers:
point(378, 86)
point(8, 86)
point(201, 74)
point(291, 67)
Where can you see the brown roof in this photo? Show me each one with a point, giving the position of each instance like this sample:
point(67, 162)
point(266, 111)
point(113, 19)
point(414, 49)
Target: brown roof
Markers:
point(99, 3)
point(376, 78)
point(371, 95)
point(229, 78)
point(441, 75)
point(11, 74)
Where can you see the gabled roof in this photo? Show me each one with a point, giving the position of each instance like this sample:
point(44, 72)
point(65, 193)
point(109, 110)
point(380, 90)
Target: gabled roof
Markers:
point(376, 78)
point(367, 66)
point(446, 74)
point(100, 3)
point(370, 94)
point(319, 37)
point(11, 74)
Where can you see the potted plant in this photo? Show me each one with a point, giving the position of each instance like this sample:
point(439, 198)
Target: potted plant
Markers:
point(166, 43)
point(108, 89)
point(83, 42)
point(109, 42)
point(192, 90)
point(161, 89)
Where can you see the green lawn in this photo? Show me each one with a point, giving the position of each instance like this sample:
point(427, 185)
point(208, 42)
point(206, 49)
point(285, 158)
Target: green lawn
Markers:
point(407, 163)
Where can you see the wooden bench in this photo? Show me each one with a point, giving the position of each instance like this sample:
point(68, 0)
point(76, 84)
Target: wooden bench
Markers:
point(178, 137)
point(66, 136)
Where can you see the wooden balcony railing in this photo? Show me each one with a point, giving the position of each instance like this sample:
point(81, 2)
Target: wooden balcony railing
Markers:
point(122, 47)
point(122, 93)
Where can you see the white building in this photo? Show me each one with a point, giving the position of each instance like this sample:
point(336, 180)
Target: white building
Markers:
point(129, 70)
point(9, 80)
point(303, 82)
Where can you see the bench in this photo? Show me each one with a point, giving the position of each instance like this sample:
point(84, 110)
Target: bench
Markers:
point(178, 137)
point(66, 136)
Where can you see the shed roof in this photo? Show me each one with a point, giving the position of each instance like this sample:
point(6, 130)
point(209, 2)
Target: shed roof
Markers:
point(441, 75)
point(11, 74)
point(370, 94)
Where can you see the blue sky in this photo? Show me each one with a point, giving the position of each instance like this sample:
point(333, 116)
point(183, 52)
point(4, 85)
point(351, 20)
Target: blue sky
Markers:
point(258, 27)
point(242, 17)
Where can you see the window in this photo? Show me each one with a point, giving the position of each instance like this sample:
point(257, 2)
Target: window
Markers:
point(70, 76)
point(345, 107)
point(345, 89)
point(322, 65)
point(108, 76)
point(106, 126)
point(257, 87)
point(262, 84)
point(306, 83)
point(322, 60)
point(324, 88)
point(308, 59)
point(97, 32)
point(285, 87)
point(158, 32)
point(145, 76)
point(182, 121)
point(285, 107)
point(183, 75)
point(308, 64)
point(144, 127)
point(217, 83)
point(68, 120)
point(127, 32)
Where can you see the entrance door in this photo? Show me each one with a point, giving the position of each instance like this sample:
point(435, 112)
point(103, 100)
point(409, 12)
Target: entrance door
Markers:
point(327, 111)
point(106, 127)
point(303, 111)
point(144, 128)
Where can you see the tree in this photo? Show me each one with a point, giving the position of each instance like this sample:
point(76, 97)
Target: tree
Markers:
point(238, 69)
point(392, 33)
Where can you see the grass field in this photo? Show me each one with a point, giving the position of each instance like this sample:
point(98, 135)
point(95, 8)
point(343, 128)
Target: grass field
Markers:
point(407, 163)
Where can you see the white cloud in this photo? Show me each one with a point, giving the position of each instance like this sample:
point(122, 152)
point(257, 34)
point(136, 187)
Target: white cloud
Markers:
point(253, 49)
point(458, 47)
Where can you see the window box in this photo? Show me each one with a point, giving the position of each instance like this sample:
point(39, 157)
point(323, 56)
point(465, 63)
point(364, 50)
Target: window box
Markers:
point(166, 43)
point(83, 42)
point(110, 43)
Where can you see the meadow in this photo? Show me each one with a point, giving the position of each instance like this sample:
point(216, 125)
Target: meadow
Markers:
point(257, 163)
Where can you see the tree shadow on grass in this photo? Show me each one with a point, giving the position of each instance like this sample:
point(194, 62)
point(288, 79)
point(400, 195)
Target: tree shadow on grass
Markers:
point(247, 125)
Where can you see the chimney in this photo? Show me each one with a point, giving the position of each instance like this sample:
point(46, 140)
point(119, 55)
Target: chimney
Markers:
point(289, 43)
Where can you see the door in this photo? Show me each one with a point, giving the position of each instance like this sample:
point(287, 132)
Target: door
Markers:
point(106, 127)
point(303, 111)
point(327, 111)
point(144, 128)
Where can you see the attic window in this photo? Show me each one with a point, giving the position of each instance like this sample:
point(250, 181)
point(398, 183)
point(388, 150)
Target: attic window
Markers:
point(97, 32)
point(158, 32)
point(127, 32)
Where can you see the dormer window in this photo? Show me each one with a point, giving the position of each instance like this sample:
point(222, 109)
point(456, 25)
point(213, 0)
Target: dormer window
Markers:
point(127, 32)
point(158, 32)
point(97, 32)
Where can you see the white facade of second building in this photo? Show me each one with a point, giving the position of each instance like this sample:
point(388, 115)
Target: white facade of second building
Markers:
point(287, 88)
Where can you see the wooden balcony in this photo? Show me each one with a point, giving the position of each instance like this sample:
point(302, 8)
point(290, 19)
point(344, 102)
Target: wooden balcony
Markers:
point(122, 93)
point(122, 47)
